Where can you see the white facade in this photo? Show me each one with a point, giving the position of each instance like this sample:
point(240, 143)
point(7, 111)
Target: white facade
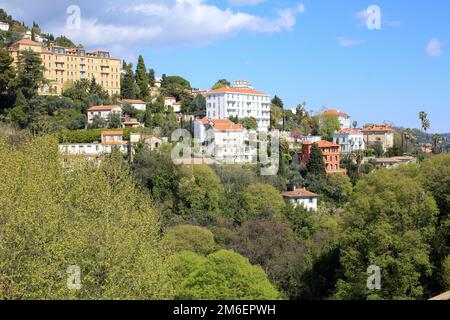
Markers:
point(172, 102)
point(90, 149)
point(102, 111)
point(222, 140)
point(349, 140)
point(241, 103)
point(137, 104)
point(309, 203)
point(302, 197)
point(4, 26)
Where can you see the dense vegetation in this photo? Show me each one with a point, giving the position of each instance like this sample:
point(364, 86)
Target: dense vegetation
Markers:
point(153, 230)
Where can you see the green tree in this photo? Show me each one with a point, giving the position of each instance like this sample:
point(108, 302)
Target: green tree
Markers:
point(7, 76)
point(63, 41)
point(128, 84)
point(338, 188)
point(276, 117)
point(142, 78)
point(390, 222)
point(261, 201)
point(30, 73)
point(198, 106)
point(328, 125)
point(316, 164)
point(98, 122)
point(276, 101)
point(272, 245)
point(200, 194)
point(249, 123)
point(223, 83)
point(223, 275)
point(95, 219)
point(114, 120)
point(190, 238)
point(151, 77)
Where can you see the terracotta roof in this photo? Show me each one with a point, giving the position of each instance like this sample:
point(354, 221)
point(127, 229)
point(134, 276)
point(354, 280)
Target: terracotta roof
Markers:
point(322, 144)
point(112, 133)
point(104, 108)
point(378, 129)
point(169, 98)
point(25, 42)
point(224, 127)
point(215, 121)
point(222, 124)
point(131, 101)
point(299, 193)
point(236, 90)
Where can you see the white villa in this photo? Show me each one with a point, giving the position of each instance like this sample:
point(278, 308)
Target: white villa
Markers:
point(241, 101)
point(137, 104)
point(4, 26)
point(102, 111)
point(349, 140)
point(110, 140)
point(222, 140)
point(302, 197)
point(172, 102)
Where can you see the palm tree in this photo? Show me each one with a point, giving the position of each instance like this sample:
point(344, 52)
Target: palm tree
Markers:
point(407, 136)
point(423, 116)
point(355, 124)
point(437, 140)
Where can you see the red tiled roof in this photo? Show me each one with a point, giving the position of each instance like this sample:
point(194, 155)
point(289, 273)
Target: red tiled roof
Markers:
point(380, 128)
point(104, 108)
point(25, 42)
point(112, 133)
point(299, 193)
point(224, 127)
point(222, 124)
point(236, 90)
point(131, 101)
point(322, 144)
point(215, 121)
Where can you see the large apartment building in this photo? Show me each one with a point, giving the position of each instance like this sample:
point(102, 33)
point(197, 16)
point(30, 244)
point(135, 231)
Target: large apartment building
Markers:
point(64, 66)
point(239, 101)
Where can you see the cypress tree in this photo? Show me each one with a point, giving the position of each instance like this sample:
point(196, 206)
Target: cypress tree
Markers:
point(316, 165)
point(128, 85)
point(141, 78)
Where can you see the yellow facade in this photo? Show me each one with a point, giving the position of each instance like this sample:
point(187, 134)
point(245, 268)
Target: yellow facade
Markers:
point(64, 66)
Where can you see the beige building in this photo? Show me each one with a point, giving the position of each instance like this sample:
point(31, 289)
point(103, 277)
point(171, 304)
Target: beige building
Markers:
point(64, 66)
point(381, 133)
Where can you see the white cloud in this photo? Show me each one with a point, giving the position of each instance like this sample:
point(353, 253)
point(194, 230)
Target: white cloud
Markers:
point(434, 48)
point(345, 42)
point(162, 24)
point(240, 3)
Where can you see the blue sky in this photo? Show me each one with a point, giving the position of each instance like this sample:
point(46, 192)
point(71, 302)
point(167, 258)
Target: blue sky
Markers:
point(316, 51)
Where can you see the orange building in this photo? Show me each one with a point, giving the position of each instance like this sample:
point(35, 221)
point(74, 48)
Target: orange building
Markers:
point(331, 155)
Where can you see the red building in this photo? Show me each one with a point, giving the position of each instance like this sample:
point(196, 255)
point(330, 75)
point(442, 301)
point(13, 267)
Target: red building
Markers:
point(331, 155)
